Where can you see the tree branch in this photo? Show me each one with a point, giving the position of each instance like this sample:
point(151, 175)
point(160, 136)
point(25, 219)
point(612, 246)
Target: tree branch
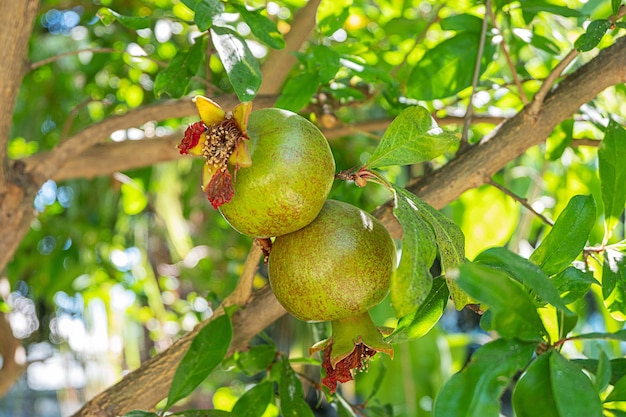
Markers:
point(18, 20)
point(10, 349)
point(278, 63)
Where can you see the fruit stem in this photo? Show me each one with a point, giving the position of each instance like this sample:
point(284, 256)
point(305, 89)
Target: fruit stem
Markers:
point(350, 331)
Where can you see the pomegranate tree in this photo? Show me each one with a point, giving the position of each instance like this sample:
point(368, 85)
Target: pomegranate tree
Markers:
point(336, 269)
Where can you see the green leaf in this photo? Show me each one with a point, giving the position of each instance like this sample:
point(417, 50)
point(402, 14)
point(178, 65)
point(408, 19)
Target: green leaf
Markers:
point(449, 238)
point(533, 395)
point(255, 359)
point(530, 8)
point(525, 272)
point(411, 138)
point(461, 23)
point(206, 11)
point(108, 16)
point(567, 238)
point(612, 171)
point(573, 284)
point(204, 413)
point(207, 350)
point(134, 198)
point(476, 390)
point(297, 91)
point(513, 313)
point(619, 391)
point(614, 283)
point(241, 66)
point(292, 403)
point(620, 335)
point(574, 394)
point(592, 37)
point(175, 78)
point(140, 413)
point(331, 15)
point(603, 372)
point(327, 62)
point(445, 69)
point(254, 401)
point(261, 26)
point(412, 281)
point(554, 386)
point(617, 366)
point(615, 5)
point(420, 322)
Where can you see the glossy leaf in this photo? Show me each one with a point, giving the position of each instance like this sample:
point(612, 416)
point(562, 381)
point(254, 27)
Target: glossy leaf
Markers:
point(411, 138)
point(619, 391)
point(567, 238)
point(620, 335)
point(533, 394)
point(298, 91)
point(342, 406)
point(206, 11)
point(255, 359)
point(617, 366)
point(412, 281)
point(574, 394)
point(614, 283)
point(449, 238)
point(261, 26)
point(555, 386)
point(420, 322)
point(175, 78)
point(592, 37)
point(254, 401)
point(525, 272)
point(327, 62)
point(462, 22)
point(476, 390)
point(612, 171)
point(513, 313)
point(603, 372)
point(292, 403)
point(207, 350)
point(241, 66)
point(573, 284)
point(443, 70)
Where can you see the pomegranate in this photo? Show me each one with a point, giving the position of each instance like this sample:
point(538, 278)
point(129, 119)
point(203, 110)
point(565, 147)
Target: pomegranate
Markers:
point(336, 269)
point(289, 167)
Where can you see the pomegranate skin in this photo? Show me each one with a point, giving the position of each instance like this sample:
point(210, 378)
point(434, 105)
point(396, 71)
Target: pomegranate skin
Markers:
point(292, 172)
point(338, 266)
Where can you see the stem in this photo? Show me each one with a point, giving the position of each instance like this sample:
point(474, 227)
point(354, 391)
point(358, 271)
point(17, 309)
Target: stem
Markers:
point(51, 59)
point(479, 58)
point(522, 201)
point(509, 61)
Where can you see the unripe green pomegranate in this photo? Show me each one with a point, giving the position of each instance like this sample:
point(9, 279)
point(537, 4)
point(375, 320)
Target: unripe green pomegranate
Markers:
point(336, 269)
point(268, 172)
point(291, 175)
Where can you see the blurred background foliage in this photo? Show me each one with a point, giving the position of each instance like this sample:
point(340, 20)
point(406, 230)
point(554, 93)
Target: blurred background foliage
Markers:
point(116, 268)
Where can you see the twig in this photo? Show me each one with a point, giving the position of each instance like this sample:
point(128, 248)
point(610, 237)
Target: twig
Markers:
point(72, 116)
point(545, 88)
point(434, 19)
point(54, 58)
point(479, 58)
point(585, 142)
point(522, 201)
point(505, 51)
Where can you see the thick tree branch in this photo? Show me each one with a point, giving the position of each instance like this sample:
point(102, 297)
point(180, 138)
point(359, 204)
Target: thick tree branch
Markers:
point(10, 351)
point(14, 34)
point(108, 157)
point(279, 62)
